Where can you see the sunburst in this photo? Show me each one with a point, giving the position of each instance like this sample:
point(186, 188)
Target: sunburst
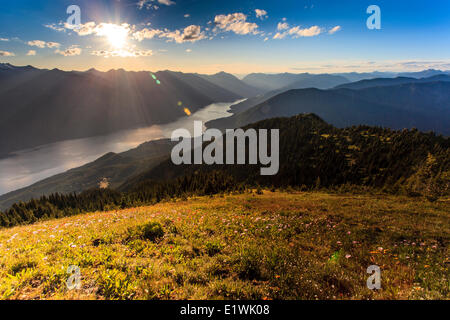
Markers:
point(115, 34)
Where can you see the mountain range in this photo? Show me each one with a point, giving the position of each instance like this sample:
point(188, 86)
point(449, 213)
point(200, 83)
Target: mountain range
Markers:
point(270, 82)
point(40, 106)
point(43, 106)
point(395, 103)
point(285, 81)
point(384, 82)
point(233, 84)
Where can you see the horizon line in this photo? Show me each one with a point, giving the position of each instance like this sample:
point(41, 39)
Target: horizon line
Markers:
point(234, 74)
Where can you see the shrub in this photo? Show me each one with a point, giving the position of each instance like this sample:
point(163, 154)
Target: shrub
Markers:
point(150, 231)
point(115, 285)
point(248, 264)
point(22, 265)
point(259, 191)
point(213, 248)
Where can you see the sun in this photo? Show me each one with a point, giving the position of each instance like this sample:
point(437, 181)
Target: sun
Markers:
point(115, 34)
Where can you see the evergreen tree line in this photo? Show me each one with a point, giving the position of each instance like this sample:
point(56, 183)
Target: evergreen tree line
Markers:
point(151, 192)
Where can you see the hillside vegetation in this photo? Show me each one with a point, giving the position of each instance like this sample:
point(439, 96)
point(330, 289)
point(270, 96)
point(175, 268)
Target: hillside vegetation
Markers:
point(352, 159)
point(313, 153)
point(263, 245)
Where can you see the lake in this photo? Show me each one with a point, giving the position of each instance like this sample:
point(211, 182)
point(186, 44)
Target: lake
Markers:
point(26, 167)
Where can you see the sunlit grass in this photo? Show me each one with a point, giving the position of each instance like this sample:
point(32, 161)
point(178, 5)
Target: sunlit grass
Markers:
point(249, 246)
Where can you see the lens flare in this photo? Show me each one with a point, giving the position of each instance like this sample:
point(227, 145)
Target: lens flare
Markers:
point(155, 78)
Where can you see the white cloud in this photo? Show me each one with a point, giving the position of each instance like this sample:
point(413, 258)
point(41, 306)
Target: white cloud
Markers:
point(116, 34)
point(6, 54)
point(260, 13)
point(149, 4)
point(335, 29)
point(4, 39)
point(42, 44)
point(307, 32)
point(370, 66)
point(187, 15)
point(282, 26)
point(146, 34)
point(53, 44)
point(37, 43)
point(297, 32)
point(70, 52)
point(82, 29)
point(101, 29)
point(191, 33)
point(166, 2)
point(31, 53)
point(188, 50)
point(130, 52)
point(57, 27)
point(279, 35)
point(236, 22)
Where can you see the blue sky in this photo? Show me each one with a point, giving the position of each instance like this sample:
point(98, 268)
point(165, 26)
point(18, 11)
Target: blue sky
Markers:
point(237, 36)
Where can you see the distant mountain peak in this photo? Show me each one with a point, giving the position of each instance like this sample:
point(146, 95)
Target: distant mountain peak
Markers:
point(436, 70)
point(8, 66)
point(120, 70)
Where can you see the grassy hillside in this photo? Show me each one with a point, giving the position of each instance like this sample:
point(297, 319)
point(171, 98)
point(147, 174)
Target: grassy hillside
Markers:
point(249, 246)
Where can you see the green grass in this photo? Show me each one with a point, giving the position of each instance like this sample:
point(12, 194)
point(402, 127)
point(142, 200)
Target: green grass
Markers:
point(251, 246)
